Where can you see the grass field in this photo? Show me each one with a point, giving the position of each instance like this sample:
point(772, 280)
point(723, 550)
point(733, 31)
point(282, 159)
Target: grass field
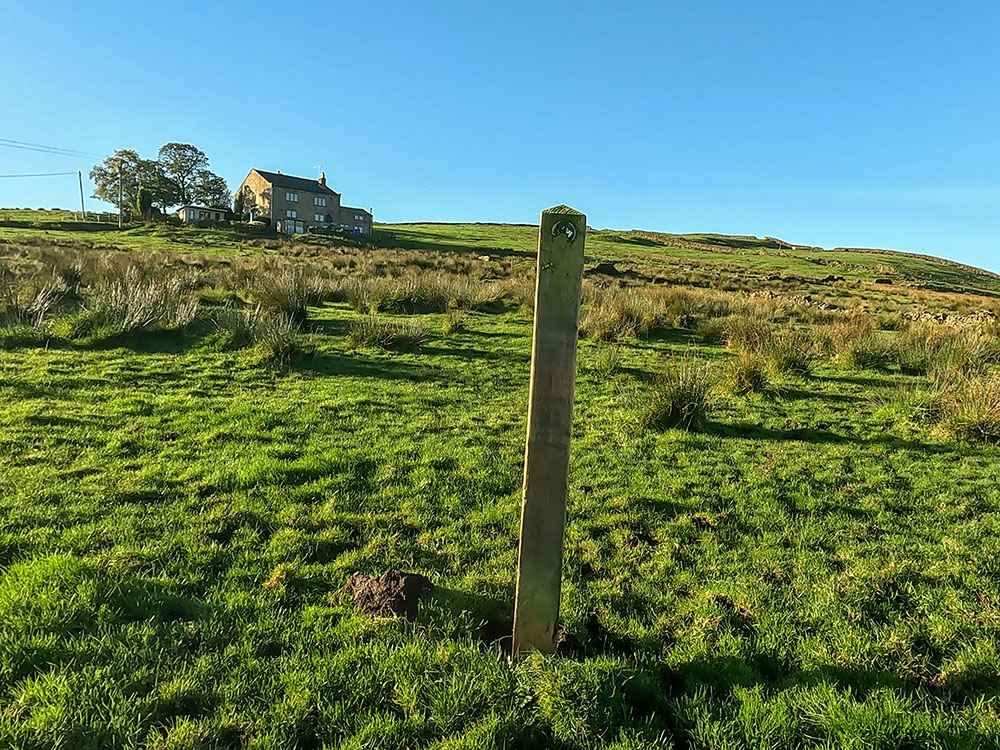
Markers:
point(818, 566)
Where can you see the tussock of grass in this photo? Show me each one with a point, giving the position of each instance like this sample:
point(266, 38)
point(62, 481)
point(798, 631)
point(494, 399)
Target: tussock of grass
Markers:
point(678, 398)
point(273, 335)
point(747, 373)
point(453, 322)
point(606, 360)
point(856, 343)
point(712, 330)
point(28, 304)
point(423, 293)
point(748, 332)
point(276, 340)
point(970, 408)
point(372, 332)
point(905, 404)
point(131, 302)
point(793, 352)
point(287, 290)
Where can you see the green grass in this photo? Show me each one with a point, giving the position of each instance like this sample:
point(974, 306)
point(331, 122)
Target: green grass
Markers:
point(749, 257)
point(811, 569)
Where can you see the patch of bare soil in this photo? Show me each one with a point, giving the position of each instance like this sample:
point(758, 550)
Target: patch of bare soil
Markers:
point(392, 593)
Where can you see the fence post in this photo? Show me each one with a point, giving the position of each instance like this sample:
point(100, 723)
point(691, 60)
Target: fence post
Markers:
point(550, 420)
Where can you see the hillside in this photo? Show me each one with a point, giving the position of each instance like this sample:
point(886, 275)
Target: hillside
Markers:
point(711, 258)
point(707, 260)
point(783, 527)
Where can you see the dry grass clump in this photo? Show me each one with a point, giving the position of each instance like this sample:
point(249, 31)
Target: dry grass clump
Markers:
point(677, 399)
point(917, 351)
point(276, 339)
point(712, 330)
point(856, 343)
point(937, 350)
point(793, 352)
point(24, 312)
point(288, 290)
point(615, 315)
point(628, 313)
point(131, 301)
point(426, 292)
point(273, 337)
point(373, 333)
point(970, 408)
point(748, 332)
point(747, 372)
point(29, 304)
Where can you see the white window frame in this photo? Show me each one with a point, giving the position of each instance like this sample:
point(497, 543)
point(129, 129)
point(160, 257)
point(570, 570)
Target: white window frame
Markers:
point(291, 197)
point(318, 201)
point(319, 219)
point(291, 213)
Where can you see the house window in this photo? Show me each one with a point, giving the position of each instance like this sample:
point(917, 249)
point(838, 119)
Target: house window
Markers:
point(319, 201)
point(291, 213)
point(318, 218)
point(292, 197)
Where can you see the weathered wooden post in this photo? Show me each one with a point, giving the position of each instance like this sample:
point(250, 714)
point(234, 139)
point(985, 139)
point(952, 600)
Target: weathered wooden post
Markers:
point(550, 420)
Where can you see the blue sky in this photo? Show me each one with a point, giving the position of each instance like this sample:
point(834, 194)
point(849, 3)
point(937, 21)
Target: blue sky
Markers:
point(831, 123)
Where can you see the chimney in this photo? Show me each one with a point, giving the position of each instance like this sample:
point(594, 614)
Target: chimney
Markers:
point(322, 179)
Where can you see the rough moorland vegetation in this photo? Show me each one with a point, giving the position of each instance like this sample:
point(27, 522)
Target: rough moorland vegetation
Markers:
point(783, 518)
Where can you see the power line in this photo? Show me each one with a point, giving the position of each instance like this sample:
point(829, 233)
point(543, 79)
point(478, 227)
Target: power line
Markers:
point(38, 174)
point(58, 150)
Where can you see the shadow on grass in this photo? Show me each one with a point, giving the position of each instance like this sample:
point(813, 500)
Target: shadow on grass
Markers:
point(475, 354)
point(330, 327)
point(157, 341)
point(638, 690)
point(759, 432)
point(493, 613)
point(388, 368)
point(795, 394)
point(878, 380)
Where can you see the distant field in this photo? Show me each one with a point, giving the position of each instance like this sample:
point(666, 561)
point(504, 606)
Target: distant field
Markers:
point(728, 255)
point(190, 472)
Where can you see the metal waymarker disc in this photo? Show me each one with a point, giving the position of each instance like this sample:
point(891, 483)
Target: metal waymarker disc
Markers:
point(564, 227)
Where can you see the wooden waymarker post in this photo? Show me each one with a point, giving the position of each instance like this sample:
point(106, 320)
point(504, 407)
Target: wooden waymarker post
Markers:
point(550, 420)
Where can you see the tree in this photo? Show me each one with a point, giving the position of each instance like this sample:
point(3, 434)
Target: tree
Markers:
point(134, 172)
point(181, 164)
point(144, 202)
point(210, 189)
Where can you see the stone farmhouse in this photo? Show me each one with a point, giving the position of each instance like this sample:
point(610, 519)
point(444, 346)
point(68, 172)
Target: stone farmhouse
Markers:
point(293, 205)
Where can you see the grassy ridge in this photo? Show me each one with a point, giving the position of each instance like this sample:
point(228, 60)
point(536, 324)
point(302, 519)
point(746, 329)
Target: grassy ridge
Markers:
point(734, 255)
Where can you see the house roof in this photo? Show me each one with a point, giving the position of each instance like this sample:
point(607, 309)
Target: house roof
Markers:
point(295, 183)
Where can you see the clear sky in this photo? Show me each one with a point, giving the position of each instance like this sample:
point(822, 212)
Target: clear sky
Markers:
point(834, 123)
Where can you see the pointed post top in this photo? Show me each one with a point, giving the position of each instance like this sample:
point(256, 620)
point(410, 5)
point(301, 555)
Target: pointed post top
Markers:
point(562, 209)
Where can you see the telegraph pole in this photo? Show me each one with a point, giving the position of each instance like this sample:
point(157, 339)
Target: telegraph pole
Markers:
point(120, 191)
point(83, 210)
